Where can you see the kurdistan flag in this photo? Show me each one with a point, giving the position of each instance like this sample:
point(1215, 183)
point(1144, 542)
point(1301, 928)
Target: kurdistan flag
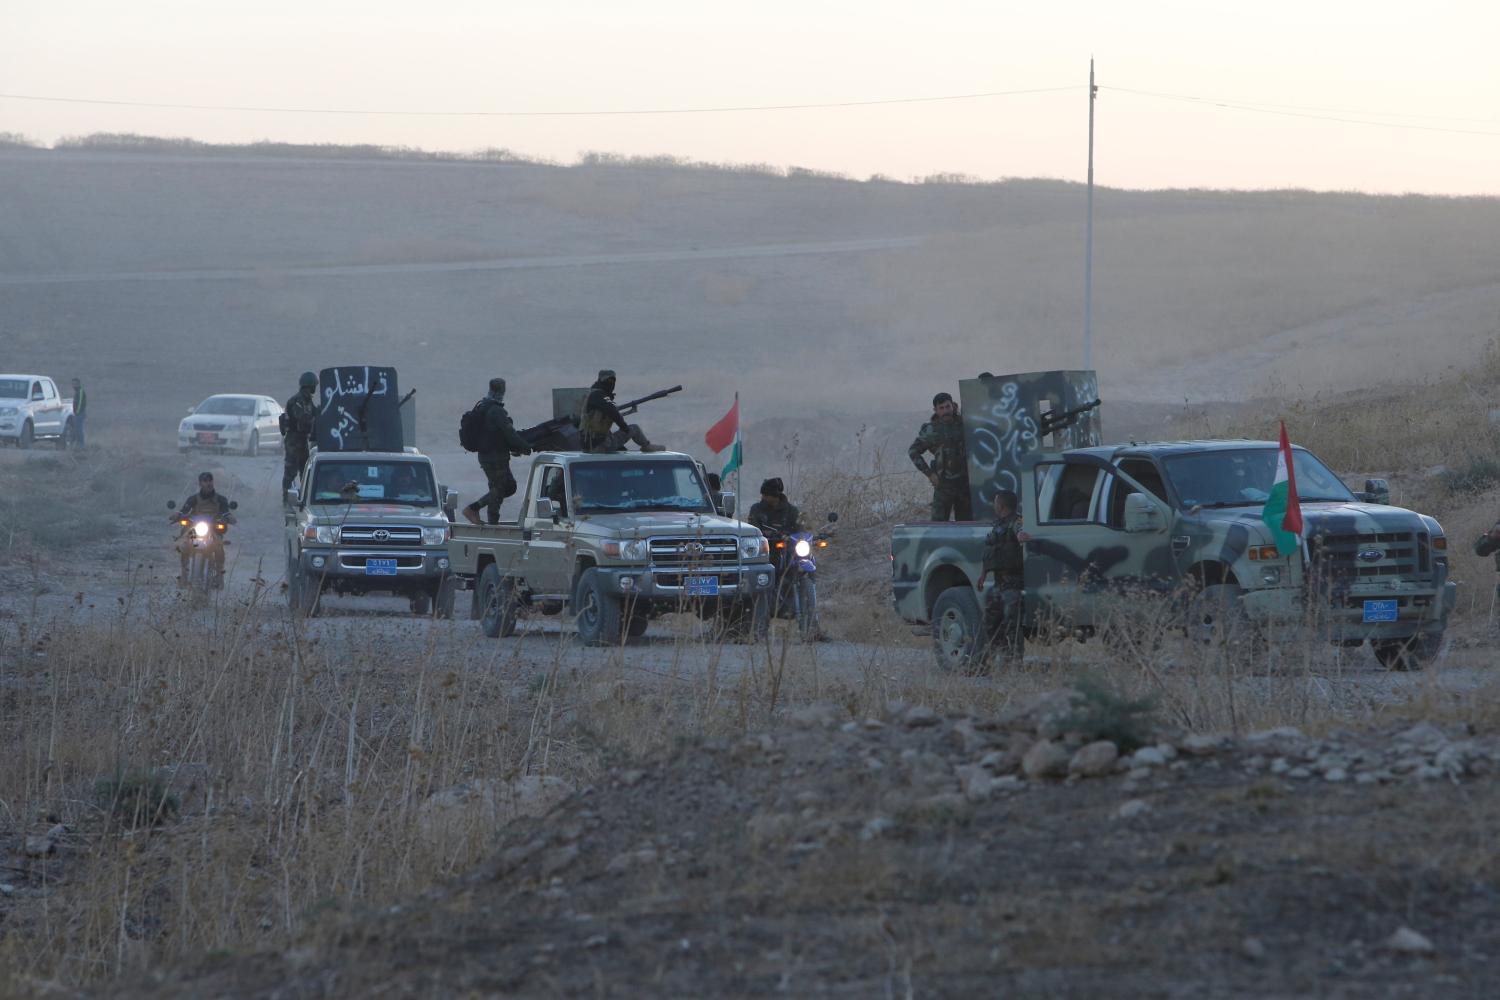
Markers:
point(1283, 511)
point(725, 436)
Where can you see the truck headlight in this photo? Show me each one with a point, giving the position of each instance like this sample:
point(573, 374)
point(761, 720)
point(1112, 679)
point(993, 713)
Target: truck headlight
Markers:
point(435, 536)
point(754, 546)
point(635, 550)
point(323, 534)
point(1270, 575)
point(8, 411)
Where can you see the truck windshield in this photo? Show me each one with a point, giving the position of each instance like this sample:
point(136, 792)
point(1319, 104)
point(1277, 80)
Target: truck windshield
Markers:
point(227, 406)
point(614, 486)
point(394, 481)
point(1243, 477)
point(13, 388)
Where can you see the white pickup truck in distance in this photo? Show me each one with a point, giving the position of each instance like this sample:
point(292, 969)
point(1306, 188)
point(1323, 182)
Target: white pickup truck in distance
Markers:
point(617, 540)
point(31, 409)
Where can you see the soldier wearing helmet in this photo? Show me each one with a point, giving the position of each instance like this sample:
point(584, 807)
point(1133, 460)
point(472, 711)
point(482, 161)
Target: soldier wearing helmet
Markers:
point(600, 414)
point(297, 429)
point(948, 472)
point(501, 442)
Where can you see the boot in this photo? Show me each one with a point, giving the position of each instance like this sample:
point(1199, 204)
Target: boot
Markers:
point(471, 515)
point(653, 447)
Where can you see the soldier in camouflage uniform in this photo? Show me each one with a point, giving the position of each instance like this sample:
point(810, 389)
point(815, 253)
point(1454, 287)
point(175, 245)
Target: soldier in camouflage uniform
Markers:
point(297, 429)
point(1005, 557)
point(943, 436)
point(1489, 544)
point(500, 443)
point(600, 414)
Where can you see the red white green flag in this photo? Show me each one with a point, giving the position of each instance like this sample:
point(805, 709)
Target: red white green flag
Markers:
point(1283, 511)
point(725, 436)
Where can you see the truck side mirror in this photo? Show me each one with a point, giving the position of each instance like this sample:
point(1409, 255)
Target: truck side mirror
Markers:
point(1142, 515)
point(293, 497)
point(727, 501)
point(545, 508)
point(1376, 491)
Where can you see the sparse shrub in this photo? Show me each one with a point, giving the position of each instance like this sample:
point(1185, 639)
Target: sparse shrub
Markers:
point(1475, 476)
point(1105, 714)
point(135, 800)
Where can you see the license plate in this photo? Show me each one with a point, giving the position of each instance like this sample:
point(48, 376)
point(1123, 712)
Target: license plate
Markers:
point(1380, 611)
point(380, 567)
point(701, 586)
point(207, 437)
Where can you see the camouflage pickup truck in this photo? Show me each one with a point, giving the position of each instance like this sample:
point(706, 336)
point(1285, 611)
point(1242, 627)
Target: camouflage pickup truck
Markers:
point(617, 540)
point(1112, 527)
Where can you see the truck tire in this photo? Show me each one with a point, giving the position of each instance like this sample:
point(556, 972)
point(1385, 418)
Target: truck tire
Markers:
point(252, 448)
point(302, 592)
point(65, 439)
point(28, 435)
point(1215, 617)
point(421, 605)
point(1413, 653)
point(443, 600)
point(957, 629)
point(599, 614)
point(637, 626)
point(497, 604)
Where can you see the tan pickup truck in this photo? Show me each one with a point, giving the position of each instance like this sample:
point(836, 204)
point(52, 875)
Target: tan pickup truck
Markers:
point(616, 540)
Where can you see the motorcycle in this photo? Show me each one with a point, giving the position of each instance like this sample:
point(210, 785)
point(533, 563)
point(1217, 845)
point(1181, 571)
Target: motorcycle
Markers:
point(206, 536)
point(795, 556)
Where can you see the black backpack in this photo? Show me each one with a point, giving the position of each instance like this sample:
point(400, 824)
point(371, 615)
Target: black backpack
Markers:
point(473, 428)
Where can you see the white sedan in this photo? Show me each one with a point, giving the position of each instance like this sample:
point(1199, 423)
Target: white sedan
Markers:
point(230, 421)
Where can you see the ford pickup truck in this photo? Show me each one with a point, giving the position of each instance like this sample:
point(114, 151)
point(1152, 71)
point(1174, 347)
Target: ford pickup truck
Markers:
point(1115, 528)
point(32, 409)
point(617, 540)
point(369, 523)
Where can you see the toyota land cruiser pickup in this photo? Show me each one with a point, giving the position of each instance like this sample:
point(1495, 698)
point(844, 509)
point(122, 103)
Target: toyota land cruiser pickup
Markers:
point(369, 523)
point(616, 540)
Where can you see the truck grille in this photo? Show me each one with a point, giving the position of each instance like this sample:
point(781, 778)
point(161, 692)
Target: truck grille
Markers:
point(372, 534)
point(692, 551)
point(1347, 559)
point(208, 427)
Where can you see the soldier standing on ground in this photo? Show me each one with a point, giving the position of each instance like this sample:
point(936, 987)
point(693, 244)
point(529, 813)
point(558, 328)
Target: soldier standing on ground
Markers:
point(1005, 558)
point(1489, 544)
point(943, 436)
point(297, 429)
point(600, 414)
point(501, 442)
point(80, 410)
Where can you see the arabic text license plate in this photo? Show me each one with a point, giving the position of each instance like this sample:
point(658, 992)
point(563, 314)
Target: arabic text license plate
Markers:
point(1380, 611)
point(701, 586)
point(380, 567)
point(207, 437)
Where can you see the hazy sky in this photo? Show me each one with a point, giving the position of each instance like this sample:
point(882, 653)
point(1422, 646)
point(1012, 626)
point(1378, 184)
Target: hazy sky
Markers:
point(1430, 67)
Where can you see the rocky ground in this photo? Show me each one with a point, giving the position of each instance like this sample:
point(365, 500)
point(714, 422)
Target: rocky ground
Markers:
point(924, 854)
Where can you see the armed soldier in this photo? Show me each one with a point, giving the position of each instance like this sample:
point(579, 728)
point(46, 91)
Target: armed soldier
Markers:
point(943, 436)
point(1005, 558)
point(297, 430)
point(774, 514)
point(500, 442)
point(600, 414)
point(1489, 544)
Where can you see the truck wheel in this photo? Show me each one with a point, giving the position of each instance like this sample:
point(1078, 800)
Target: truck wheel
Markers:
point(497, 604)
point(637, 626)
point(1217, 618)
point(252, 449)
point(302, 593)
point(28, 435)
point(442, 601)
point(598, 613)
point(957, 629)
point(1413, 653)
point(421, 605)
point(759, 617)
point(65, 440)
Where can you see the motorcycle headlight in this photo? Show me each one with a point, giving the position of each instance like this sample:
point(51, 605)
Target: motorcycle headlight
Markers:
point(754, 546)
point(803, 548)
point(435, 536)
point(201, 529)
point(323, 534)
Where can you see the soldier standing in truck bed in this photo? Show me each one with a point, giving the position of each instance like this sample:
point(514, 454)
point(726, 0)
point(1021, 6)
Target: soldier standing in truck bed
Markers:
point(297, 429)
point(600, 414)
point(943, 437)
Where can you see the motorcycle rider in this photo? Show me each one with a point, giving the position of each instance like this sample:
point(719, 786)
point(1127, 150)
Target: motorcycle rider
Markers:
point(773, 513)
point(203, 503)
point(297, 429)
point(600, 414)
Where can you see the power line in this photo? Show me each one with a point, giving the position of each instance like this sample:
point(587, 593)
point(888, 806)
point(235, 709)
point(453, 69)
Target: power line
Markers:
point(1297, 111)
point(534, 114)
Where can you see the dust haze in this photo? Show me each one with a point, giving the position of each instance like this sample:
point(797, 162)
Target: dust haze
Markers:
point(161, 274)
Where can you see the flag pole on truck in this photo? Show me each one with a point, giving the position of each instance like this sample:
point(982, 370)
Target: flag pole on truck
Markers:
point(724, 436)
point(1088, 240)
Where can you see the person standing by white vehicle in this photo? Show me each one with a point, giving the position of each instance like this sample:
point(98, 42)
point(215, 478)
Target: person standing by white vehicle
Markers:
point(80, 410)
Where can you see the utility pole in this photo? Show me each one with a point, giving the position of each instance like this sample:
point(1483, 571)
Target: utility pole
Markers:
point(1088, 245)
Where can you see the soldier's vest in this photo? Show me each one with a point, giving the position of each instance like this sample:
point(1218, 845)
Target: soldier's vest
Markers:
point(301, 414)
point(593, 423)
point(949, 456)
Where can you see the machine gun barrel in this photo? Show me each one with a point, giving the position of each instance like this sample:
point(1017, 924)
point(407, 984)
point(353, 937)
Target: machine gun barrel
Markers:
point(1050, 422)
point(566, 425)
point(635, 404)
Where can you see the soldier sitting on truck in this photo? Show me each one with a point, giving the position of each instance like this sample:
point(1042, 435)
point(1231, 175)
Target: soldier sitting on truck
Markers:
point(1005, 557)
point(600, 414)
